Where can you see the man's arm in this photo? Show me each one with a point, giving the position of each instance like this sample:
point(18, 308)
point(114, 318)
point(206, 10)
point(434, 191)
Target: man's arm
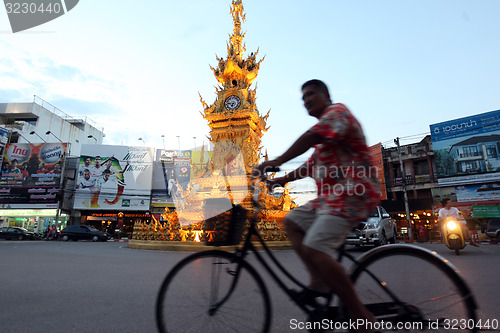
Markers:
point(440, 217)
point(301, 145)
point(298, 173)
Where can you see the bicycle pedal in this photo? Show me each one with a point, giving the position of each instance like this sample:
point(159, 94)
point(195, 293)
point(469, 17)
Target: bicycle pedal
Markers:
point(307, 297)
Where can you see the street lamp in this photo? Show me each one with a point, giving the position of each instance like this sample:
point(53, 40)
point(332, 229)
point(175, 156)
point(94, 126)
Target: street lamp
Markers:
point(21, 136)
point(163, 137)
point(49, 132)
point(194, 139)
point(141, 139)
point(33, 132)
point(179, 142)
point(93, 137)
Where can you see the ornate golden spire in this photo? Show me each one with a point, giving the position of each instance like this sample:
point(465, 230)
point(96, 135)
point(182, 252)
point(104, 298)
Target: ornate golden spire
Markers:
point(236, 71)
point(235, 47)
point(234, 116)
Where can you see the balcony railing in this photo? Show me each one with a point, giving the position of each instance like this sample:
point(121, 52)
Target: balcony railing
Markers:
point(471, 154)
point(414, 180)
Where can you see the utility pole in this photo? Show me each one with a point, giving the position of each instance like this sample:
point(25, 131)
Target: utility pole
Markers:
point(407, 208)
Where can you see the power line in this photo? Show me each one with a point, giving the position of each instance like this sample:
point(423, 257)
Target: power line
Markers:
point(414, 135)
point(408, 137)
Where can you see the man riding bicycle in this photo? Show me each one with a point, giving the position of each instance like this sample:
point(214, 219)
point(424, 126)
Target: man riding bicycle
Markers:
point(347, 192)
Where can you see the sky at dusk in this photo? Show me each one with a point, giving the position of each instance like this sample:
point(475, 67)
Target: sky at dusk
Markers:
point(136, 67)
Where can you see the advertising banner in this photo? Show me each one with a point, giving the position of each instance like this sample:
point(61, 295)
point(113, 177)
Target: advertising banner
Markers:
point(485, 192)
point(376, 152)
point(31, 173)
point(4, 138)
point(176, 169)
point(486, 211)
point(467, 150)
point(114, 178)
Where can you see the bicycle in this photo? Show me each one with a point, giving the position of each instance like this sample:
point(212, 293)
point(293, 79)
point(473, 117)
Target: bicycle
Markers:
point(210, 291)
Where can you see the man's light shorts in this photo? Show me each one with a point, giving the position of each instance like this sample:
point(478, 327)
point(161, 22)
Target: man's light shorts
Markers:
point(323, 232)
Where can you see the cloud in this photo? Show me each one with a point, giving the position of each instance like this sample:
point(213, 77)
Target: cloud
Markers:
point(128, 104)
point(75, 92)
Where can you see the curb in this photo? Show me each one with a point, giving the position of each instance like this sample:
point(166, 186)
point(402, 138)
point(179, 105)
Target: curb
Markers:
point(196, 247)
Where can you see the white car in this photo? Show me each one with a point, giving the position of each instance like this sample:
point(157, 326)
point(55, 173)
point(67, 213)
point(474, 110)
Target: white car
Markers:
point(493, 228)
point(379, 229)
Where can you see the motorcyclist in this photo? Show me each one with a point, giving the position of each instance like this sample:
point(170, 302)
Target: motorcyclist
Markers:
point(448, 211)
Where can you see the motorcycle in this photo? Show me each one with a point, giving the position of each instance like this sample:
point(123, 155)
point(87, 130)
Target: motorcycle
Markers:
point(453, 235)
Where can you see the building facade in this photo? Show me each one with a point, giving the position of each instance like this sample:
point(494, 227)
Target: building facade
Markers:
point(37, 144)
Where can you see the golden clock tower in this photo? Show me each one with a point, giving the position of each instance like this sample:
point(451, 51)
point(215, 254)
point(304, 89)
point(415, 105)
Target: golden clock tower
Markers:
point(234, 118)
point(236, 129)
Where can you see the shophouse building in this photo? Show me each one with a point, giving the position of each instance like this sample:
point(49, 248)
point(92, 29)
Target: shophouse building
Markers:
point(417, 178)
point(460, 161)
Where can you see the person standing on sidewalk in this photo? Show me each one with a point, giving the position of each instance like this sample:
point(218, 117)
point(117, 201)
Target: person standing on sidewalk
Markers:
point(347, 191)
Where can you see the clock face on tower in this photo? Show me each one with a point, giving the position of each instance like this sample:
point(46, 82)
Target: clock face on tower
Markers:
point(232, 102)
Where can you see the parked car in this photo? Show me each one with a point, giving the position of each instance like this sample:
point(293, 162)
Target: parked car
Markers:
point(16, 233)
point(78, 232)
point(493, 228)
point(379, 229)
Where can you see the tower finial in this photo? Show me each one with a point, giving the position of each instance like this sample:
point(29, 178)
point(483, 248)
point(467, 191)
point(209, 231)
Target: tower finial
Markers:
point(236, 46)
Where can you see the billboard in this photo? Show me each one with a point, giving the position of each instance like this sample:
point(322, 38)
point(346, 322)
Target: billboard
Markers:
point(175, 171)
point(114, 178)
point(31, 173)
point(378, 162)
point(4, 138)
point(478, 192)
point(467, 150)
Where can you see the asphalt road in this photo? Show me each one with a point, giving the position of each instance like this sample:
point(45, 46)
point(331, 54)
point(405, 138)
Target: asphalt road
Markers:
point(107, 287)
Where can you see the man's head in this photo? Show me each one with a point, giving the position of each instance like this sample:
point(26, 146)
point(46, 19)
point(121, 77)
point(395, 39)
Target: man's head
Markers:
point(86, 174)
point(87, 161)
point(98, 161)
point(316, 97)
point(105, 174)
point(446, 202)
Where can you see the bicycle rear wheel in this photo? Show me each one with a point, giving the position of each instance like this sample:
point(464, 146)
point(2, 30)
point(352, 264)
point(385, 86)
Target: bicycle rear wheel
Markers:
point(213, 291)
point(435, 297)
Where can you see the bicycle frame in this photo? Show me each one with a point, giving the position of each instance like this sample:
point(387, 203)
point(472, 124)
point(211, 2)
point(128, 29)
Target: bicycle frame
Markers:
point(248, 246)
point(391, 308)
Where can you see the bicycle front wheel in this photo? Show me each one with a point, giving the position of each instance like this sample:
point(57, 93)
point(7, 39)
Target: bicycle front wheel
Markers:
point(213, 291)
point(409, 288)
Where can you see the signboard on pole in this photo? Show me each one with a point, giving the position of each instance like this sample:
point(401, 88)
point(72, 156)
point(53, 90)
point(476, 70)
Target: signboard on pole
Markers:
point(376, 153)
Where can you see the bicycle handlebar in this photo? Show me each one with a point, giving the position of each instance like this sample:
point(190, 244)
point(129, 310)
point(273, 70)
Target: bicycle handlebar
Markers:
point(256, 188)
point(263, 176)
point(273, 169)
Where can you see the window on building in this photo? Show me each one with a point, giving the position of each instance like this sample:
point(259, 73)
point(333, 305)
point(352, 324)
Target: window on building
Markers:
point(470, 151)
point(421, 167)
point(31, 121)
point(471, 166)
point(491, 151)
